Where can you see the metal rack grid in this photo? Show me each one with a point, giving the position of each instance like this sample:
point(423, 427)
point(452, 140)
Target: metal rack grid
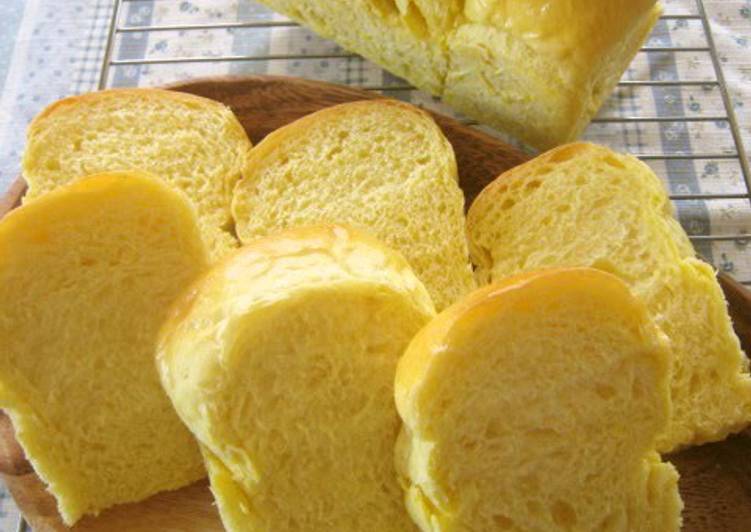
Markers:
point(120, 30)
point(117, 29)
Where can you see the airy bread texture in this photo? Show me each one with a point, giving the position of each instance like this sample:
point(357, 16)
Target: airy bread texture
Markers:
point(281, 361)
point(534, 68)
point(381, 166)
point(195, 144)
point(87, 275)
point(534, 405)
point(584, 205)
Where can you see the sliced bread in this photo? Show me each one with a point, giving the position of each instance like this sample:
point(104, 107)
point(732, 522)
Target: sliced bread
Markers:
point(584, 205)
point(281, 361)
point(87, 275)
point(381, 166)
point(195, 144)
point(534, 68)
point(534, 404)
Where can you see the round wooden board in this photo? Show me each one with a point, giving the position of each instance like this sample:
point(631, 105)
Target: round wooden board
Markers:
point(715, 479)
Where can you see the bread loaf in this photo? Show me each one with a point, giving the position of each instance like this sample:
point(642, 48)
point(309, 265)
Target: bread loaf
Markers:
point(281, 361)
point(195, 144)
point(584, 205)
point(534, 404)
point(381, 166)
point(87, 275)
point(534, 68)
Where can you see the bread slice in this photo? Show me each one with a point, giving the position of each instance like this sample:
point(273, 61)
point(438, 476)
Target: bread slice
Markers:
point(537, 69)
point(381, 166)
point(584, 205)
point(195, 144)
point(281, 361)
point(87, 275)
point(534, 404)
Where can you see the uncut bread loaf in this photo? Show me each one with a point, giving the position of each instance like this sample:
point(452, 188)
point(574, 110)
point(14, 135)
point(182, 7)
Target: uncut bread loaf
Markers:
point(381, 166)
point(534, 68)
point(195, 144)
point(87, 275)
point(533, 405)
point(584, 205)
point(281, 362)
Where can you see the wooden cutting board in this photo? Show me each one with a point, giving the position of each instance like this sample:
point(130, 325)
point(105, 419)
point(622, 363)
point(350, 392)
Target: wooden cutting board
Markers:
point(715, 479)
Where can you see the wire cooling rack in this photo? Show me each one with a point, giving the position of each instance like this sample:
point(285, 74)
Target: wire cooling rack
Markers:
point(672, 108)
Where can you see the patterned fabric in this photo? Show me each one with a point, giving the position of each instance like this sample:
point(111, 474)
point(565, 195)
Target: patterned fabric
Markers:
point(50, 49)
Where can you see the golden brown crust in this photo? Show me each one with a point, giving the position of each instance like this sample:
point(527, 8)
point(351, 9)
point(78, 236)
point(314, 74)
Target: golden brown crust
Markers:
point(144, 93)
point(320, 236)
point(490, 193)
point(88, 184)
point(488, 299)
point(272, 141)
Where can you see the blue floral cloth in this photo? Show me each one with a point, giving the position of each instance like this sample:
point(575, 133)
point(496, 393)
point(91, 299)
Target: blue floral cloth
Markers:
point(50, 49)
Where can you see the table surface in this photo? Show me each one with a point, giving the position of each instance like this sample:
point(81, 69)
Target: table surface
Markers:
point(50, 49)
